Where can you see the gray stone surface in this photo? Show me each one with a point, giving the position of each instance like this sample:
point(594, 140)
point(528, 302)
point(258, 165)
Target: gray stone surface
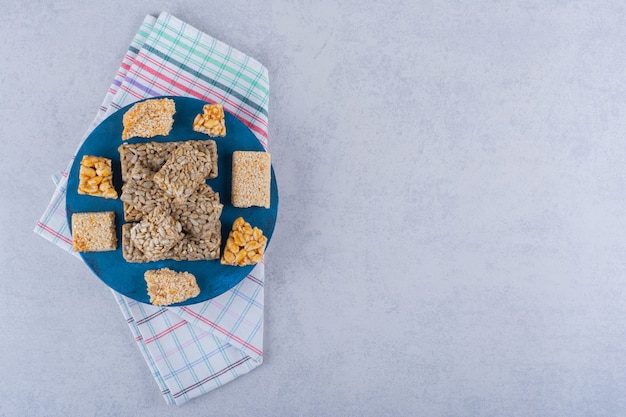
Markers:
point(451, 228)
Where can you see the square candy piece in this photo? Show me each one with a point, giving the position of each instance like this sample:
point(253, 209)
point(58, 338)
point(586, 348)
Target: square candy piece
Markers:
point(190, 248)
point(149, 118)
point(193, 248)
point(200, 213)
point(156, 234)
point(94, 232)
point(184, 171)
point(139, 194)
point(95, 177)
point(167, 287)
point(252, 174)
point(245, 245)
point(153, 155)
point(211, 121)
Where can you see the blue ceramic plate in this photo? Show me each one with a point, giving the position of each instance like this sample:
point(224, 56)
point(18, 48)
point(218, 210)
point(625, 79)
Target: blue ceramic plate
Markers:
point(127, 278)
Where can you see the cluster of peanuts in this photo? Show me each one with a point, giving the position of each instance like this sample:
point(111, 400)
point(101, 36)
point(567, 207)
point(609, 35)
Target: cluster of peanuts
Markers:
point(211, 121)
point(245, 245)
point(96, 177)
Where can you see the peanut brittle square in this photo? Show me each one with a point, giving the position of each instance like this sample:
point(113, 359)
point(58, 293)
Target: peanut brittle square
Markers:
point(245, 245)
point(211, 120)
point(95, 177)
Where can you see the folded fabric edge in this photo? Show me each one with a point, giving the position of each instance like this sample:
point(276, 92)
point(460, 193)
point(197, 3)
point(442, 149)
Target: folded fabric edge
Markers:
point(255, 353)
point(261, 73)
point(167, 16)
point(240, 368)
point(250, 288)
point(214, 375)
point(167, 396)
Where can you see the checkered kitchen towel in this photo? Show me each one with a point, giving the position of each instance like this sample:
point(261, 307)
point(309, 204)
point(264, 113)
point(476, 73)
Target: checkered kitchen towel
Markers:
point(194, 349)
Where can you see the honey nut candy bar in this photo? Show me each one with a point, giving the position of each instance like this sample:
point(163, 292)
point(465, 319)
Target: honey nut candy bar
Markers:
point(211, 121)
point(149, 118)
point(245, 245)
point(95, 177)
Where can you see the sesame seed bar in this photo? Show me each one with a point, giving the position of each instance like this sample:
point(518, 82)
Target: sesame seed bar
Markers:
point(149, 118)
point(94, 232)
point(251, 179)
point(167, 287)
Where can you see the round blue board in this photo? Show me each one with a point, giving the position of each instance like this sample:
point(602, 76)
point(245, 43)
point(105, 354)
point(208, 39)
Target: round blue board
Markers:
point(128, 278)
